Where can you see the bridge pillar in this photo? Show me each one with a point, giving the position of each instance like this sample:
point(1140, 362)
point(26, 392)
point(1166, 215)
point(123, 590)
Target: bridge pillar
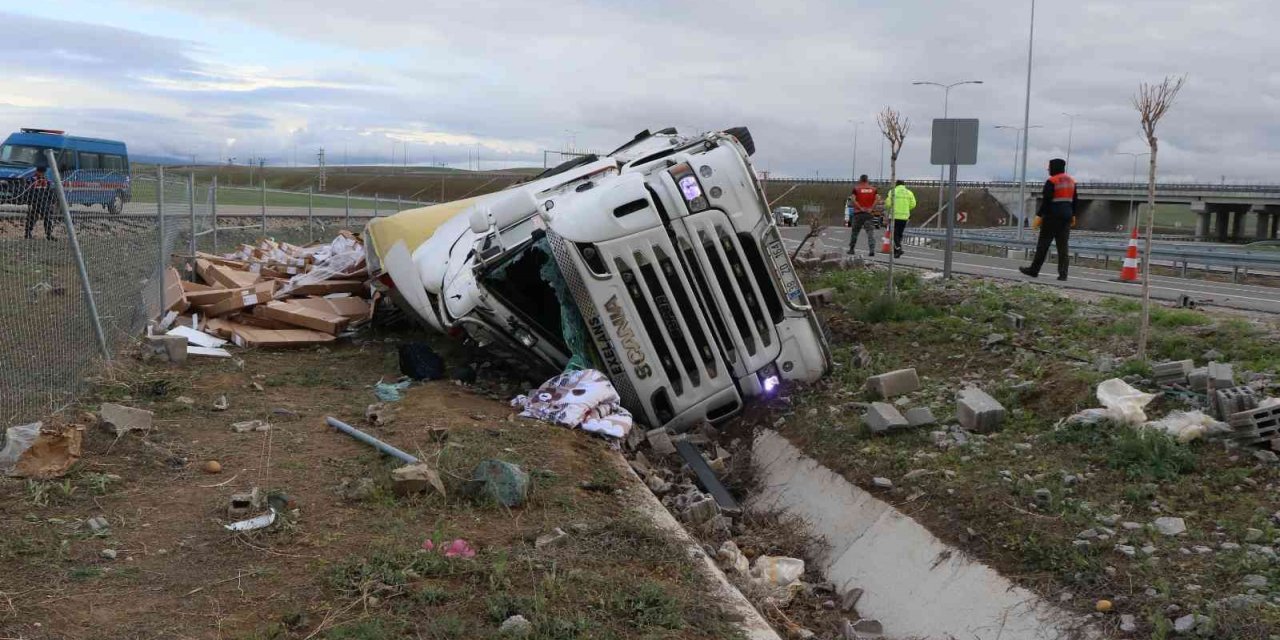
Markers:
point(1237, 223)
point(1103, 215)
point(1230, 219)
point(1202, 220)
point(1275, 223)
point(1262, 226)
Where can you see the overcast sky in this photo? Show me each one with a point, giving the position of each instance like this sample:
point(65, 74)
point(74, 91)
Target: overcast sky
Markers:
point(219, 78)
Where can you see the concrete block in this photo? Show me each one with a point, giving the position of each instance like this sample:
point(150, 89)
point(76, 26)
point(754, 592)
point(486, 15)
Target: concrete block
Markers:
point(882, 416)
point(1198, 379)
point(920, 417)
point(978, 411)
point(822, 297)
point(121, 419)
point(1174, 371)
point(1016, 321)
point(1221, 375)
point(661, 442)
point(894, 383)
point(1230, 401)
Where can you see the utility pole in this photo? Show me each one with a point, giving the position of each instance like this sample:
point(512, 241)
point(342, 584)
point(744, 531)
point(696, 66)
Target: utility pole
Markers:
point(1026, 127)
point(854, 171)
point(1071, 127)
point(320, 179)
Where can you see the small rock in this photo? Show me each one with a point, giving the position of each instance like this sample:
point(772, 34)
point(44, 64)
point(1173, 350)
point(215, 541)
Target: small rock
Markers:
point(882, 483)
point(1128, 623)
point(1254, 581)
point(1229, 546)
point(868, 626)
point(1109, 521)
point(190, 402)
point(1131, 526)
point(284, 413)
point(915, 473)
point(657, 485)
point(1170, 526)
point(579, 528)
point(221, 404)
point(1202, 550)
point(920, 417)
point(108, 554)
point(1266, 457)
point(516, 626)
point(97, 524)
point(1252, 535)
point(1103, 606)
point(1070, 480)
point(357, 489)
point(850, 599)
point(994, 339)
point(556, 536)
point(416, 478)
point(1148, 550)
point(1087, 534)
point(1184, 624)
point(1127, 550)
point(1044, 497)
point(250, 425)
point(211, 467)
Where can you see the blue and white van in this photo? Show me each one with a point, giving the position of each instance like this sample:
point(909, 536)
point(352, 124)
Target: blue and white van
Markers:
point(94, 171)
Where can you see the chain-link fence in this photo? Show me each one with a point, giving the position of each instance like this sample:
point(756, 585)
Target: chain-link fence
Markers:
point(120, 235)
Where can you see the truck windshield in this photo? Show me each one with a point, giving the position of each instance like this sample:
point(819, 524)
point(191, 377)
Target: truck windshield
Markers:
point(530, 283)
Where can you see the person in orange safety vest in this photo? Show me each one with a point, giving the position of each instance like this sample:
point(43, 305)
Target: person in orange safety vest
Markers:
point(1056, 217)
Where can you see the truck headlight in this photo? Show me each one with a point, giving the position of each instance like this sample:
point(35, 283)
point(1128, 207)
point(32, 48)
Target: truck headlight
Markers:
point(770, 379)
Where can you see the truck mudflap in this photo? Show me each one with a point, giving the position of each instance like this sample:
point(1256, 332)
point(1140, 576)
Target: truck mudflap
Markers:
point(652, 339)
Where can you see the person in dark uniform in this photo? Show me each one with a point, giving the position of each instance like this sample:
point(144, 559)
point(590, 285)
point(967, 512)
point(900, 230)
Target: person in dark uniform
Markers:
point(1056, 217)
point(40, 204)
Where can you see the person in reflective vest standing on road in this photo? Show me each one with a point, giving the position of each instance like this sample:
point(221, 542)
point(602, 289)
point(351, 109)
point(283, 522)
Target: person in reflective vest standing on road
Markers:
point(1056, 217)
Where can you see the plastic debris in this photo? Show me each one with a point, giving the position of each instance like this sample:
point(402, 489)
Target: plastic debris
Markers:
point(419, 362)
point(777, 571)
point(458, 548)
point(503, 481)
point(40, 453)
point(390, 391)
point(253, 524)
point(731, 558)
point(1186, 426)
point(1124, 404)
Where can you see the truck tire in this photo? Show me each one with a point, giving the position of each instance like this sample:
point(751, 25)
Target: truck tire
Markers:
point(116, 204)
point(744, 139)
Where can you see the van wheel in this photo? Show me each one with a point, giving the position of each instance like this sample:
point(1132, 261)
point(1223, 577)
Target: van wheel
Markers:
point(744, 138)
point(116, 205)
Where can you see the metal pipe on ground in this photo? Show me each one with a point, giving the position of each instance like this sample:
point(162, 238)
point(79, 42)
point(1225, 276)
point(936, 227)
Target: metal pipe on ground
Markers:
point(370, 440)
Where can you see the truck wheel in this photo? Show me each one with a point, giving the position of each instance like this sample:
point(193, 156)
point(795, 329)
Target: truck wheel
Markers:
point(744, 139)
point(116, 205)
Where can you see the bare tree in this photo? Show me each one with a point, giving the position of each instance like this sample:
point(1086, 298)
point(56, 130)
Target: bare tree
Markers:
point(814, 220)
point(894, 127)
point(1152, 102)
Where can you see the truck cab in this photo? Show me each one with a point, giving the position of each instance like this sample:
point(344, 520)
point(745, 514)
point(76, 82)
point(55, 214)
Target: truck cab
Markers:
point(659, 264)
point(93, 171)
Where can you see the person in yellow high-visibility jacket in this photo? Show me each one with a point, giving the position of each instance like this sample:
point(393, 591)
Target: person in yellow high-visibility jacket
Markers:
point(899, 204)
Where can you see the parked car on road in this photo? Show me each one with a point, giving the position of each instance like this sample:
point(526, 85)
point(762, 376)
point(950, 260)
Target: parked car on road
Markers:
point(657, 264)
point(94, 171)
point(786, 216)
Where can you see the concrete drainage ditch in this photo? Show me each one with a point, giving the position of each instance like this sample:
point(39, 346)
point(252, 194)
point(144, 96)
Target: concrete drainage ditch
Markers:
point(916, 585)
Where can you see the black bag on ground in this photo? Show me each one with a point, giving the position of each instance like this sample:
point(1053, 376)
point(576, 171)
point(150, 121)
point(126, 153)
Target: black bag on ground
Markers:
point(419, 362)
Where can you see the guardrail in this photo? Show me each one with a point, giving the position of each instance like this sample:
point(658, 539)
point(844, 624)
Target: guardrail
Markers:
point(1163, 187)
point(1183, 254)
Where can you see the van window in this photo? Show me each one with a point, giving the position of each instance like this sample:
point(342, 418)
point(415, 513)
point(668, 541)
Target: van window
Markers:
point(90, 161)
point(66, 161)
point(113, 163)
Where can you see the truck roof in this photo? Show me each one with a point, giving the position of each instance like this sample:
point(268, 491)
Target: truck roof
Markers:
point(59, 141)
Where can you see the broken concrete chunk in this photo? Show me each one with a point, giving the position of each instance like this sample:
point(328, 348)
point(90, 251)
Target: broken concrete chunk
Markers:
point(171, 348)
point(894, 383)
point(700, 511)
point(882, 483)
point(920, 417)
point(416, 478)
point(1016, 321)
point(1171, 372)
point(556, 536)
point(98, 524)
point(120, 419)
point(250, 425)
point(822, 297)
point(882, 417)
point(1221, 375)
point(1170, 526)
point(850, 599)
point(516, 627)
point(861, 357)
point(1198, 379)
point(220, 404)
point(660, 442)
point(978, 411)
point(730, 558)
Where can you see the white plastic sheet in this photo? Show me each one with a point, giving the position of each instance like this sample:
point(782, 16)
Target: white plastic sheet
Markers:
point(1124, 404)
point(1186, 426)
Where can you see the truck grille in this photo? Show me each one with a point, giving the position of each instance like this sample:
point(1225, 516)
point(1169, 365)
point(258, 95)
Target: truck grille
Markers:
point(660, 294)
point(730, 282)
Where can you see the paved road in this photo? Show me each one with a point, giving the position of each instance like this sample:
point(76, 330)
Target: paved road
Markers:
point(1253, 298)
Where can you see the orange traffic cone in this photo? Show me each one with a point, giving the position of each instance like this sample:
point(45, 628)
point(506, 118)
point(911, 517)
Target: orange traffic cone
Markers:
point(886, 245)
point(1129, 272)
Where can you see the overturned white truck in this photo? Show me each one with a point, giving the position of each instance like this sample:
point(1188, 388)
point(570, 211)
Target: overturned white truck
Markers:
point(658, 264)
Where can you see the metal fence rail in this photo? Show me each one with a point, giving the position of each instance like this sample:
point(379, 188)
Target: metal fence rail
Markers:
point(1163, 187)
point(1176, 253)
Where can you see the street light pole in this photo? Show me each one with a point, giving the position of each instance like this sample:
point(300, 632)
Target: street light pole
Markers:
point(854, 172)
point(1071, 127)
point(1026, 127)
point(1133, 181)
point(946, 108)
point(1016, 148)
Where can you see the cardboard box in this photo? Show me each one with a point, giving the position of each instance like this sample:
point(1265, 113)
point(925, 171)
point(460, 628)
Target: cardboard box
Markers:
point(331, 286)
point(209, 296)
point(175, 298)
point(251, 320)
point(191, 287)
point(223, 276)
point(221, 261)
point(241, 298)
point(301, 316)
point(257, 337)
point(221, 327)
point(351, 308)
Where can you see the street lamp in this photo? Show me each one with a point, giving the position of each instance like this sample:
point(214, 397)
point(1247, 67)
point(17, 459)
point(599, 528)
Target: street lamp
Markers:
point(1026, 126)
point(856, 124)
point(1133, 181)
point(1016, 143)
point(946, 103)
point(1071, 127)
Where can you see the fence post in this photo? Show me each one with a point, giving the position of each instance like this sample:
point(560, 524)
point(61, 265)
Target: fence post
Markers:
point(75, 250)
point(375, 205)
point(264, 207)
point(348, 223)
point(213, 210)
point(397, 203)
point(311, 191)
point(191, 204)
point(160, 263)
